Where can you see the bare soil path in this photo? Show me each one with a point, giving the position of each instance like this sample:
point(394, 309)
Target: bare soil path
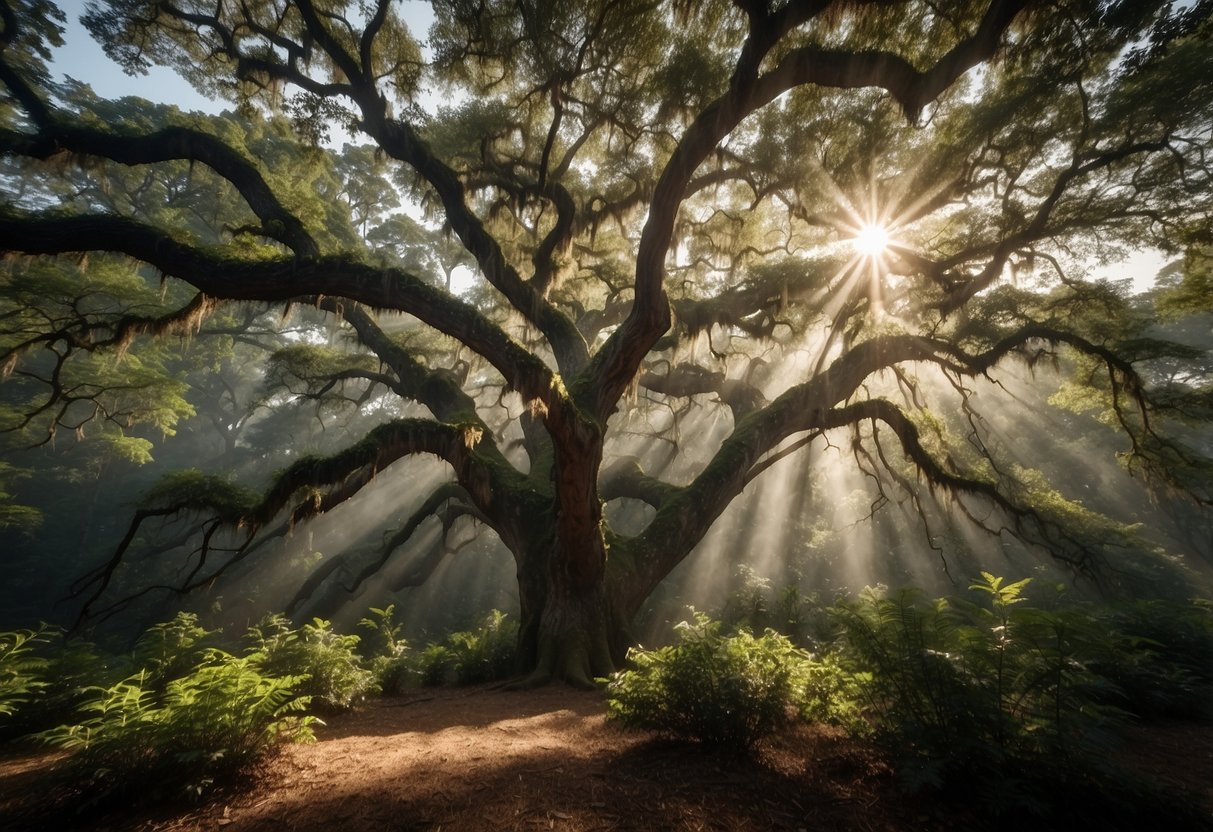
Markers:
point(485, 759)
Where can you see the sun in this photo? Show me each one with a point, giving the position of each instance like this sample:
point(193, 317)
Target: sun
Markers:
point(871, 241)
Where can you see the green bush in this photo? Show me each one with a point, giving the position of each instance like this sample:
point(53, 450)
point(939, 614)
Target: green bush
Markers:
point(436, 665)
point(66, 671)
point(385, 651)
point(213, 720)
point(485, 654)
point(1160, 654)
point(726, 690)
point(326, 662)
point(835, 695)
point(171, 649)
point(1017, 706)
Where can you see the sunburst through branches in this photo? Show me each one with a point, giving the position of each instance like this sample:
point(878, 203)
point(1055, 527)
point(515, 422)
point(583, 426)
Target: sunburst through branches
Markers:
point(871, 241)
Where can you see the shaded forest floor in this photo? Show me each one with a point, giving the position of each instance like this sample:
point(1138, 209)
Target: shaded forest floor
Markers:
point(480, 759)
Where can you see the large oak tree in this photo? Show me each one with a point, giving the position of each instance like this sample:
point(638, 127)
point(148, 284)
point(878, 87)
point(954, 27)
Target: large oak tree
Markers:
point(653, 203)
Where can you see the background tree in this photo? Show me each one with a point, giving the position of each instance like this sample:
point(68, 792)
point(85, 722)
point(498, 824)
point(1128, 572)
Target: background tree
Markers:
point(652, 202)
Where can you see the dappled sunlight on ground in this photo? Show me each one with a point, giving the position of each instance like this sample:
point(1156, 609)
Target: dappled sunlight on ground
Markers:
point(488, 759)
point(478, 759)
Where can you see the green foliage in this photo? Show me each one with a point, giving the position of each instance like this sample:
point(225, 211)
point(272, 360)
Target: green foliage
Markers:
point(1159, 654)
point(726, 690)
point(959, 689)
point(22, 671)
point(325, 662)
point(755, 605)
point(68, 671)
point(214, 720)
point(192, 488)
point(469, 657)
point(386, 652)
point(487, 653)
point(436, 665)
point(1193, 292)
point(13, 515)
point(167, 651)
point(835, 694)
point(1015, 703)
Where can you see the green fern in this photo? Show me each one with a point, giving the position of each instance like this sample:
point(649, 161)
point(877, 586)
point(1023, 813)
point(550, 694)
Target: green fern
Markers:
point(22, 671)
point(214, 720)
point(388, 660)
point(326, 662)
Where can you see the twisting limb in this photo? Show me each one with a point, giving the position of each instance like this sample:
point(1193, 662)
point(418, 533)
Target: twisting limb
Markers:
point(286, 279)
point(616, 363)
point(55, 135)
point(429, 508)
point(347, 471)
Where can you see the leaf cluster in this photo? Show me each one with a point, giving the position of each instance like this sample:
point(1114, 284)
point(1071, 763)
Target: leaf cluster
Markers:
point(1006, 700)
point(21, 669)
point(325, 663)
point(385, 651)
point(720, 689)
point(469, 657)
point(194, 489)
point(189, 715)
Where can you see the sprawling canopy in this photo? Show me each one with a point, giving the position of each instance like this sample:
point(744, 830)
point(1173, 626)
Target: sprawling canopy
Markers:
point(662, 247)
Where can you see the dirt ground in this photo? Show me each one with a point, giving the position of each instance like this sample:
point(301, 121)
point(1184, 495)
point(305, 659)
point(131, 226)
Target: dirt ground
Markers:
point(486, 759)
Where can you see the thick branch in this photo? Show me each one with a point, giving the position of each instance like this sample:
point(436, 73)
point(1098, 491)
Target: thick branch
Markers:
point(442, 495)
point(55, 136)
point(688, 513)
point(615, 365)
point(287, 278)
point(401, 142)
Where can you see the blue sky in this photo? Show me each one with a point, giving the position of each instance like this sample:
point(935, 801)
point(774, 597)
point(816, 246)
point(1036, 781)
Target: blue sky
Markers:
point(82, 58)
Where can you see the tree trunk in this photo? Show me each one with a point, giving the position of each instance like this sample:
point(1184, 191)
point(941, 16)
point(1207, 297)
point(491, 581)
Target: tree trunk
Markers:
point(570, 630)
point(568, 627)
point(572, 638)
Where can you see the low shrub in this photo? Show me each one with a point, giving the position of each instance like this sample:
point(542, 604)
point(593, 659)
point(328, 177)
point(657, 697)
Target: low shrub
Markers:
point(835, 694)
point(469, 657)
point(487, 653)
point(385, 651)
point(141, 736)
point(171, 649)
point(65, 672)
point(22, 670)
point(1160, 655)
point(326, 663)
point(435, 666)
point(725, 690)
point(966, 690)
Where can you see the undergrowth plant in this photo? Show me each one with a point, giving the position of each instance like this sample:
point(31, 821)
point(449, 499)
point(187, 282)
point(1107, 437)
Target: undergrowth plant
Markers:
point(63, 670)
point(468, 657)
point(720, 689)
point(326, 662)
point(171, 649)
point(1160, 654)
point(1018, 706)
point(385, 651)
point(22, 670)
point(154, 737)
point(961, 688)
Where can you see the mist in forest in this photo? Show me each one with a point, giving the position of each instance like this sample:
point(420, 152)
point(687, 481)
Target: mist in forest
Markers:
point(817, 520)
